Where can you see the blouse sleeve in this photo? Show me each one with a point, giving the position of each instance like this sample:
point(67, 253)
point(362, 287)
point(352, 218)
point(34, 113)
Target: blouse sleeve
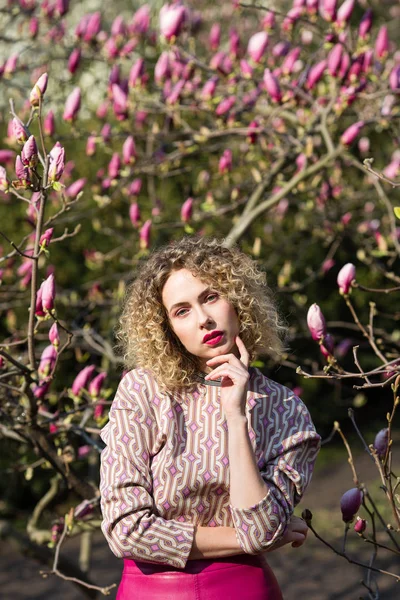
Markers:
point(286, 467)
point(130, 522)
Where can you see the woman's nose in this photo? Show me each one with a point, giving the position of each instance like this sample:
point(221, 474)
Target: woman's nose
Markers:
point(203, 317)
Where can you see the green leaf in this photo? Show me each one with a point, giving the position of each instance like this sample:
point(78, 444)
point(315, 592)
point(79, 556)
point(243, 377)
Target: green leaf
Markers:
point(396, 211)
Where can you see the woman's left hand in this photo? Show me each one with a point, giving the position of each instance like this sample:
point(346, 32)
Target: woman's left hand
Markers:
point(234, 376)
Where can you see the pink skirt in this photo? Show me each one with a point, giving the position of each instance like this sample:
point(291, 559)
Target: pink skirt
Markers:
point(241, 577)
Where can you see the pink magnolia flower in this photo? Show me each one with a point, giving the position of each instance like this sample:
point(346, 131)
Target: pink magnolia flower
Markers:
point(33, 27)
point(120, 102)
point(92, 27)
point(54, 336)
point(335, 59)
point(91, 145)
point(56, 164)
point(215, 36)
point(365, 24)
point(134, 214)
point(10, 65)
point(328, 9)
point(39, 391)
point(48, 288)
point(72, 105)
point(47, 361)
point(316, 322)
point(394, 78)
point(172, 17)
point(209, 88)
point(268, 21)
point(350, 503)
point(114, 166)
point(96, 384)
point(141, 20)
point(38, 90)
point(345, 278)
point(118, 27)
point(257, 45)
point(39, 312)
point(129, 154)
point(246, 69)
point(74, 60)
point(22, 173)
point(382, 42)
point(292, 16)
point(225, 162)
point(272, 86)
point(29, 153)
point(350, 134)
point(19, 131)
point(144, 235)
point(45, 238)
point(81, 380)
point(187, 210)
point(344, 12)
point(136, 73)
point(315, 74)
point(49, 126)
point(225, 105)
point(135, 187)
point(234, 43)
point(4, 183)
point(162, 68)
point(75, 188)
point(360, 525)
point(290, 61)
point(7, 156)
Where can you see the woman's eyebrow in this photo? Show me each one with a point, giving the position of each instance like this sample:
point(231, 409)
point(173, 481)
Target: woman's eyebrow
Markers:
point(185, 302)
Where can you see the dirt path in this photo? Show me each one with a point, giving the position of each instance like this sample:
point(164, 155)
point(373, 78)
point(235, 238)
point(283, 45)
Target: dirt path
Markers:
point(312, 572)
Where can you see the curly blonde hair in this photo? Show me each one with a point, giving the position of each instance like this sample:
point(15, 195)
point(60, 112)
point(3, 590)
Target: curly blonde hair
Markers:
point(144, 332)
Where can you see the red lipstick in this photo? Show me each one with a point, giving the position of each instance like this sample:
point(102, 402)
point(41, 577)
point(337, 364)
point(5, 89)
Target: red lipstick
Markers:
point(213, 337)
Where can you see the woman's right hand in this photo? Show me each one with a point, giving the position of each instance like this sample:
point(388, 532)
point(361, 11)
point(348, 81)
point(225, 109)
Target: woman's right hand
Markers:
point(295, 534)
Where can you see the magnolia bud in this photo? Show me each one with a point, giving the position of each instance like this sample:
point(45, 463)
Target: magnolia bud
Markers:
point(350, 134)
point(48, 288)
point(346, 276)
point(144, 235)
point(272, 86)
point(360, 525)
point(187, 210)
point(81, 380)
point(72, 105)
point(49, 126)
point(56, 164)
point(95, 385)
point(75, 188)
point(45, 238)
point(257, 45)
point(129, 153)
point(47, 361)
point(54, 335)
point(134, 214)
point(328, 345)
point(316, 322)
point(38, 90)
point(172, 17)
point(19, 131)
point(350, 503)
point(381, 442)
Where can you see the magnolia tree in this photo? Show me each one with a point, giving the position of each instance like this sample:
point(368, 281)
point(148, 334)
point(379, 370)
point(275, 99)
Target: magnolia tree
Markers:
point(277, 129)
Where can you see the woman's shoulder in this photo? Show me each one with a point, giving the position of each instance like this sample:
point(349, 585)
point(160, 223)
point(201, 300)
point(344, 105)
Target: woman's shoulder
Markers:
point(136, 387)
point(263, 385)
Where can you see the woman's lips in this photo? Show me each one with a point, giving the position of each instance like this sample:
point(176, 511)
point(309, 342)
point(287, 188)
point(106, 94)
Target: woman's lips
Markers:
point(214, 340)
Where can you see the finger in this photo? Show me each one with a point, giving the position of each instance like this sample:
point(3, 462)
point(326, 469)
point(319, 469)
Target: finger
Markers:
point(298, 540)
point(227, 371)
point(244, 355)
point(223, 358)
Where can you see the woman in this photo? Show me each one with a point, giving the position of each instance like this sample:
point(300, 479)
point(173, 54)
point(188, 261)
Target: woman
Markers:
point(205, 457)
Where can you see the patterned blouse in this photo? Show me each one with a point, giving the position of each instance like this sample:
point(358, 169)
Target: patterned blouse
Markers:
point(165, 467)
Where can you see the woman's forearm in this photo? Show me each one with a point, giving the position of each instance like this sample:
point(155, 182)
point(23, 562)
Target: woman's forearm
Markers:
point(214, 542)
point(247, 487)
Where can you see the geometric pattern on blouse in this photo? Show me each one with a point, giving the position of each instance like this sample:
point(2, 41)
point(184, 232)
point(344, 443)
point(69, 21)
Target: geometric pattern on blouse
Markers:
point(165, 468)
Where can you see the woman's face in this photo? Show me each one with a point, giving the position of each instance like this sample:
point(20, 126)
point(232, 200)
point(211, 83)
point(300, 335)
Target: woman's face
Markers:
point(204, 322)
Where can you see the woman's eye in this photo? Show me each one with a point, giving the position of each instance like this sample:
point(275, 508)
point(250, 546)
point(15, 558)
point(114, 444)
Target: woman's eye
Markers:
point(212, 297)
point(181, 312)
